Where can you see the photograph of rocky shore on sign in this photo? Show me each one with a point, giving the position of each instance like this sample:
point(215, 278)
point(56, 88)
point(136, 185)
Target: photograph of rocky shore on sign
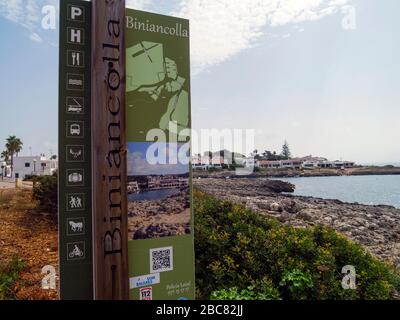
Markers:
point(158, 194)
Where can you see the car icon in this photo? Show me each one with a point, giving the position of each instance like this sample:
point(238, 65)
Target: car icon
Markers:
point(75, 129)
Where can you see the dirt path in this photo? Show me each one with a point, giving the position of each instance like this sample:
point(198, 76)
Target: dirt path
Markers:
point(32, 237)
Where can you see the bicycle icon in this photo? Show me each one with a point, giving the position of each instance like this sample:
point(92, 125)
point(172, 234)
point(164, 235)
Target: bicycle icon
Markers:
point(75, 251)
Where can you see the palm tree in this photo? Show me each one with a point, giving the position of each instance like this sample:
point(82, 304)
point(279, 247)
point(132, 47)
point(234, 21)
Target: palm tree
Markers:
point(5, 155)
point(14, 146)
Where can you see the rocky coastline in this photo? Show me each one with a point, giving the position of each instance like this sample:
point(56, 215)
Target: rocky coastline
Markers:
point(159, 218)
point(376, 228)
point(290, 173)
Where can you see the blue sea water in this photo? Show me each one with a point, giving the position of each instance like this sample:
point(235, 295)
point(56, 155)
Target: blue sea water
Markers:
point(152, 195)
point(372, 190)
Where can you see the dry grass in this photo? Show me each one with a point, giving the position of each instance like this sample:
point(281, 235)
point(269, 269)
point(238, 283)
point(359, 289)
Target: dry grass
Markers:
point(32, 237)
point(6, 196)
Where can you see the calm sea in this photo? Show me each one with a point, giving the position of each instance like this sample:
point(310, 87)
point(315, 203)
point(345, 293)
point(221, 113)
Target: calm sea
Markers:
point(152, 195)
point(362, 189)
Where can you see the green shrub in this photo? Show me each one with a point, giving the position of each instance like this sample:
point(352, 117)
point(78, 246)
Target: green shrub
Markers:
point(30, 177)
point(263, 290)
point(46, 193)
point(237, 248)
point(298, 283)
point(9, 274)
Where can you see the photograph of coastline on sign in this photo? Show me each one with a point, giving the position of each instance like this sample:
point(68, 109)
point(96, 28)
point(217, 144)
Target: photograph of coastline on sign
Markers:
point(158, 193)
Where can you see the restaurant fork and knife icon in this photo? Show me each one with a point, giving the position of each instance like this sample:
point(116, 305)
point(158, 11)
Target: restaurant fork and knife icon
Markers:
point(75, 58)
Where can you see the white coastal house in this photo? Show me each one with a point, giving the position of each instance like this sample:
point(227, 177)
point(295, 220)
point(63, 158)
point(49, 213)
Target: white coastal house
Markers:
point(308, 162)
point(5, 169)
point(34, 165)
point(250, 162)
point(205, 162)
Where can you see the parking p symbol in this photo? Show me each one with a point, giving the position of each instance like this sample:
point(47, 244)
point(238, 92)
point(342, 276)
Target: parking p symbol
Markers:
point(76, 13)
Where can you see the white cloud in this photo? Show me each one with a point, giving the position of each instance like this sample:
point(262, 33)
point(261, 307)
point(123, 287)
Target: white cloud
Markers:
point(138, 4)
point(222, 28)
point(23, 12)
point(35, 37)
point(219, 28)
point(26, 13)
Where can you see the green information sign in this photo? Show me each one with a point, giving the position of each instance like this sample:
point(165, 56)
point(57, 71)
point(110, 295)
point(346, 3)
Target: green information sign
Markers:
point(74, 182)
point(160, 219)
point(158, 121)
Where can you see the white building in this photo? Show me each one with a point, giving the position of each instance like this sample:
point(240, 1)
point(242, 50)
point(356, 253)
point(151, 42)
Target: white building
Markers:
point(206, 163)
point(219, 160)
point(308, 162)
point(250, 162)
point(38, 166)
point(5, 169)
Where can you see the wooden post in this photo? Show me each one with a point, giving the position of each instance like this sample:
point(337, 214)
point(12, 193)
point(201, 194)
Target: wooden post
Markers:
point(109, 151)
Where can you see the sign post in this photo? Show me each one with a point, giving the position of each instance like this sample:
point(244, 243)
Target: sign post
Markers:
point(160, 217)
point(108, 150)
point(104, 151)
point(74, 176)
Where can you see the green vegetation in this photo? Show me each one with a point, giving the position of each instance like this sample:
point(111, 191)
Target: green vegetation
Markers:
point(264, 290)
point(273, 155)
point(45, 192)
point(9, 274)
point(244, 255)
point(286, 150)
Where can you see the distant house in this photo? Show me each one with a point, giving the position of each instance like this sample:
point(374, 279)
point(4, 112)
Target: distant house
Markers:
point(295, 163)
point(218, 160)
point(336, 164)
point(250, 162)
point(133, 187)
point(5, 169)
point(308, 162)
point(34, 165)
point(147, 183)
point(206, 162)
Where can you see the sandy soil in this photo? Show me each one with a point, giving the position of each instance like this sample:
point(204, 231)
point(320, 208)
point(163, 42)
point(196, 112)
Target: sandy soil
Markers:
point(32, 237)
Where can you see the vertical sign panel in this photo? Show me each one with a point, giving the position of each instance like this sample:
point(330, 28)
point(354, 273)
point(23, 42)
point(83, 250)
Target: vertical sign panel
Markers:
point(109, 152)
point(160, 219)
point(74, 177)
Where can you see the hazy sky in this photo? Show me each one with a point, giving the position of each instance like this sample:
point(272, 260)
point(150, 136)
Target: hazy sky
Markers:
point(286, 68)
point(165, 156)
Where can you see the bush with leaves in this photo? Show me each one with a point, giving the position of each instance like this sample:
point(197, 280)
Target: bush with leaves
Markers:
point(46, 193)
point(263, 290)
point(237, 248)
point(9, 274)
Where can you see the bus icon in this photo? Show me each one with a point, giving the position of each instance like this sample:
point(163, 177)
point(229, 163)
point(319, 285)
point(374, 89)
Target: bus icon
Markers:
point(75, 129)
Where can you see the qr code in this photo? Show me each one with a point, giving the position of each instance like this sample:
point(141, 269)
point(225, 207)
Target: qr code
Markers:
point(161, 260)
